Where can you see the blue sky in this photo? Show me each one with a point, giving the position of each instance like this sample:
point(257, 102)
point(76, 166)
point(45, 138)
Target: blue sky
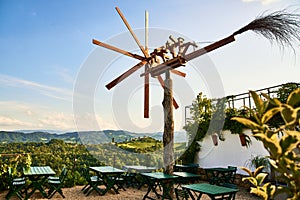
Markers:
point(46, 45)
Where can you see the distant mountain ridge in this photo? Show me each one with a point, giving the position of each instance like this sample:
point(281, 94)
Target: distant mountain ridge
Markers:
point(85, 137)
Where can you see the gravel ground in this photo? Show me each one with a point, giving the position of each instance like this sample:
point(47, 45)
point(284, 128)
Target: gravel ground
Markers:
point(130, 194)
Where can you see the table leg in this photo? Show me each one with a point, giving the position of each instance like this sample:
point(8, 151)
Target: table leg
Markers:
point(109, 183)
point(37, 185)
point(152, 185)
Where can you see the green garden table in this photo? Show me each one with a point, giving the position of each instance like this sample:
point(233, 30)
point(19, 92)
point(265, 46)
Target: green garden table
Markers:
point(133, 174)
point(213, 191)
point(110, 176)
point(155, 179)
point(217, 175)
point(38, 176)
point(186, 168)
point(138, 168)
point(186, 177)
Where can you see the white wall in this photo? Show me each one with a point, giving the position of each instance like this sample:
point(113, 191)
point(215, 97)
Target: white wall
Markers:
point(228, 152)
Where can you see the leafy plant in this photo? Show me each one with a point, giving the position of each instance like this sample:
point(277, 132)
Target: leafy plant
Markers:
point(201, 112)
point(257, 178)
point(258, 161)
point(282, 143)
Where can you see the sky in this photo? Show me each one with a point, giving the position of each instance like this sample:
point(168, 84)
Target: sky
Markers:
point(53, 78)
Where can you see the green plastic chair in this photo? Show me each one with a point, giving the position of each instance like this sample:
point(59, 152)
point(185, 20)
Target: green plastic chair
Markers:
point(16, 185)
point(230, 177)
point(92, 182)
point(56, 184)
point(57, 177)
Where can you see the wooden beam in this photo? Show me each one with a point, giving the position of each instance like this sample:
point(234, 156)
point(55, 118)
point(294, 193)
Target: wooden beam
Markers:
point(116, 49)
point(179, 73)
point(146, 94)
point(170, 64)
point(132, 33)
point(125, 75)
point(209, 48)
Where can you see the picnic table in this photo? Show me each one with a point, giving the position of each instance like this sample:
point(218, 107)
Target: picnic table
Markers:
point(133, 174)
point(138, 168)
point(186, 177)
point(213, 191)
point(38, 176)
point(110, 176)
point(219, 175)
point(155, 179)
point(186, 167)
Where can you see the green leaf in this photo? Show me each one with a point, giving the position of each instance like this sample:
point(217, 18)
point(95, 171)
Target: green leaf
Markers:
point(290, 140)
point(270, 190)
point(260, 178)
point(248, 171)
point(269, 114)
point(294, 98)
point(288, 114)
point(270, 143)
point(258, 170)
point(274, 101)
point(252, 180)
point(246, 122)
point(259, 192)
point(257, 101)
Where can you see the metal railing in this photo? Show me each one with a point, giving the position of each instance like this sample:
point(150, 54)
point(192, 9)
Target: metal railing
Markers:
point(243, 99)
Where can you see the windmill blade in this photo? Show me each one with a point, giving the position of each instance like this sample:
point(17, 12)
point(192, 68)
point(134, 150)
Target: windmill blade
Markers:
point(179, 73)
point(132, 33)
point(116, 49)
point(209, 48)
point(125, 75)
point(161, 81)
point(146, 94)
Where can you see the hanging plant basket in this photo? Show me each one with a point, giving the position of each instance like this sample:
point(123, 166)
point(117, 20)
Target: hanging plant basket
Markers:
point(215, 139)
point(243, 139)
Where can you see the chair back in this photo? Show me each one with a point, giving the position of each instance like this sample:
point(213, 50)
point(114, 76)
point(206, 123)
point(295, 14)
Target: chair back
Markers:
point(63, 175)
point(231, 177)
point(86, 174)
point(181, 194)
point(10, 177)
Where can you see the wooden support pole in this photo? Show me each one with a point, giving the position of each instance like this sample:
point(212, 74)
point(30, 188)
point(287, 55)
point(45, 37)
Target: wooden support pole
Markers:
point(168, 136)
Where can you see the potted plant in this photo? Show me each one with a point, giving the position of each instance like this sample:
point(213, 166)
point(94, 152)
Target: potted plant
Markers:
point(258, 161)
point(235, 127)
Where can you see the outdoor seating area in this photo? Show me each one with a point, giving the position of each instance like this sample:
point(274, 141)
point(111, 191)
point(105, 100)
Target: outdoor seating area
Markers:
point(37, 178)
point(149, 183)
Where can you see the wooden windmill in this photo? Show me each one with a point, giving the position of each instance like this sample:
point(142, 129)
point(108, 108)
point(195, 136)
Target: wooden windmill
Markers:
point(279, 26)
point(148, 60)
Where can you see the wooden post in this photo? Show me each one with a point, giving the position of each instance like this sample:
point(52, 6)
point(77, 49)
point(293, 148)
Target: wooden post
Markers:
point(168, 136)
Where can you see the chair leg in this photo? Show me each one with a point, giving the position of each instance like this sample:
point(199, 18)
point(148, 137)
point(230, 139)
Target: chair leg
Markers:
point(53, 189)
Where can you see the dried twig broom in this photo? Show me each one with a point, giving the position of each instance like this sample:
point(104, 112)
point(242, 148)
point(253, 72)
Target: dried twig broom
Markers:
point(280, 26)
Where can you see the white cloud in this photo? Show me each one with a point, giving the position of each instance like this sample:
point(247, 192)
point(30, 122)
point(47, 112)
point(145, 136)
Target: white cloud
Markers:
point(21, 116)
point(53, 92)
point(57, 121)
point(264, 2)
point(17, 115)
point(11, 122)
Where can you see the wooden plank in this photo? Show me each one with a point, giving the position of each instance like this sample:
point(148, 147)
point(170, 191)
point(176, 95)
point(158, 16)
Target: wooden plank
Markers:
point(116, 49)
point(146, 94)
point(174, 71)
point(170, 64)
point(125, 75)
point(209, 48)
point(132, 33)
